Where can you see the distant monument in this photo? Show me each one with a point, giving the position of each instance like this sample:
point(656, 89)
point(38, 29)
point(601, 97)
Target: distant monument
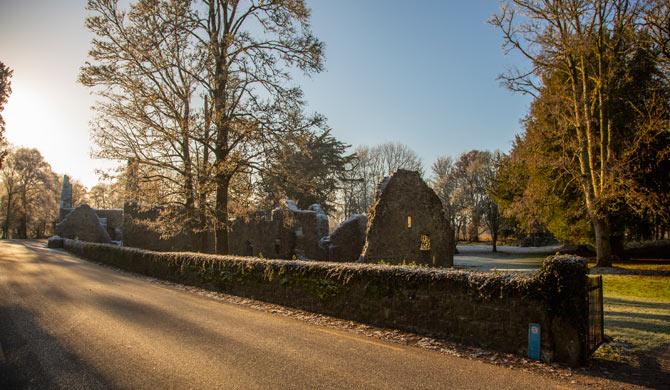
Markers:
point(66, 193)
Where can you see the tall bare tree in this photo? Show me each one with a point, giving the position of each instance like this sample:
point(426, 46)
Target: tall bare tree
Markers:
point(470, 174)
point(492, 216)
point(151, 63)
point(445, 185)
point(144, 71)
point(250, 47)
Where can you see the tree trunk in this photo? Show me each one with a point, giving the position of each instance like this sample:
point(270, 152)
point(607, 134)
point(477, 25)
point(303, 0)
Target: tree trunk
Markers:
point(204, 236)
point(222, 182)
point(8, 218)
point(202, 220)
point(454, 234)
point(473, 235)
point(202, 178)
point(190, 209)
point(645, 231)
point(23, 227)
point(603, 244)
point(494, 240)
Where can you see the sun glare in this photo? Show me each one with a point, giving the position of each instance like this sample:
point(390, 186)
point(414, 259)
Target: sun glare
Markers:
point(29, 116)
point(37, 116)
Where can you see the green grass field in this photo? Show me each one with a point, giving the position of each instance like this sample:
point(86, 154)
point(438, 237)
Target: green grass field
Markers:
point(637, 313)
point(637, 287)
point(646, 267)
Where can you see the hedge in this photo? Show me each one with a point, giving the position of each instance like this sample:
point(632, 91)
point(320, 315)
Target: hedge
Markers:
point(491, 310)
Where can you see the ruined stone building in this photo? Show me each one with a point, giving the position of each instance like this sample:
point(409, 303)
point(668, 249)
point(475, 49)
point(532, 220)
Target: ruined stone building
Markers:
point(85, 223)
point(287, 232)
point(406, 224)
point(346, 242)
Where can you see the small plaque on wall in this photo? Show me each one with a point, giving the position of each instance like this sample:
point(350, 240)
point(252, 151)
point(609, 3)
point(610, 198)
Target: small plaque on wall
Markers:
point(534, 341)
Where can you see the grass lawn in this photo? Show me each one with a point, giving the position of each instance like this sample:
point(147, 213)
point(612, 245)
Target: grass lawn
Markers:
point(653, 267)
point(637, 287)
point(637, 314)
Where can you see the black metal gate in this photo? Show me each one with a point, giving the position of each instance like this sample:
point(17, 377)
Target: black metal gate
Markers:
point(596, 314)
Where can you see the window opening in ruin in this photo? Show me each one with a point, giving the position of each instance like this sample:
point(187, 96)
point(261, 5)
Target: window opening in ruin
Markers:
point(425, 242)
point(409, 222)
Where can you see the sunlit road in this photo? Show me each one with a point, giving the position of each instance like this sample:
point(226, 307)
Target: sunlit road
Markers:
point(68, 323)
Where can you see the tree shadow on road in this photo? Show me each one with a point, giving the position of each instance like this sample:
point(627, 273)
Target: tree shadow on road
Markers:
point(36, 359)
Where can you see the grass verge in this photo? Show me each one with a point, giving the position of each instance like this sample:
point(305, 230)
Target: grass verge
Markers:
point(637, 315)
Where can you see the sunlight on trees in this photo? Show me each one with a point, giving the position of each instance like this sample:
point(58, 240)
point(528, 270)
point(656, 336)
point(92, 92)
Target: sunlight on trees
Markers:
point(600, 93)
point(5, 91)
point(30, 195)
point(198, 93)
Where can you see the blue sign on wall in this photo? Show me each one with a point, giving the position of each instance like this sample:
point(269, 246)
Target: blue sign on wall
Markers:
point(534, 341)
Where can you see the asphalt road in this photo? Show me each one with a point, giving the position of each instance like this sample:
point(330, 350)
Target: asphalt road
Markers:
point(508, 258)
point(69, 323)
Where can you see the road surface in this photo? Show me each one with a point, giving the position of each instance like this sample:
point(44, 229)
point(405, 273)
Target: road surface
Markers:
point(508, 258)
point(69, 323)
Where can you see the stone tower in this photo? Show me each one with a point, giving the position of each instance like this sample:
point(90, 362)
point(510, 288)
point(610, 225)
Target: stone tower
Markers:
point(66, 194)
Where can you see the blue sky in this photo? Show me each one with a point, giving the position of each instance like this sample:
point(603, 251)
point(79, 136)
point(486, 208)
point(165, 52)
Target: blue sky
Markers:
point(422, 73)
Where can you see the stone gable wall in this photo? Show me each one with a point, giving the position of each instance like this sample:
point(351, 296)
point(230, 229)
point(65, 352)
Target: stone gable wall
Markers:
point(114, 220)
point(406, 209)
point(82, 223)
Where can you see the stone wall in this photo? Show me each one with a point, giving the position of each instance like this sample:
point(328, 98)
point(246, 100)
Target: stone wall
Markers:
point(286, 232)
point(114, 219)
point(491, 310)
point(346, 242)
point(407, 224)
